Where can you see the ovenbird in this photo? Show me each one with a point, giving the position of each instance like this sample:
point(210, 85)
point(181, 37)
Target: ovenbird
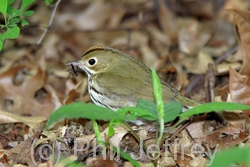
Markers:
point(116, 80)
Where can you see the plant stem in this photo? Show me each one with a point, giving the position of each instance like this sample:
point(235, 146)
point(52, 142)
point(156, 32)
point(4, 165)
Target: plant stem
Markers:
point(168, 132)
point(135, 135)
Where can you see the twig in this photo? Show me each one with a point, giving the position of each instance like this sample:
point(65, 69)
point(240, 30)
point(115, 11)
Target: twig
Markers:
point(50, 23)
point(226, 55)
point(217, 61)
point(209, 83)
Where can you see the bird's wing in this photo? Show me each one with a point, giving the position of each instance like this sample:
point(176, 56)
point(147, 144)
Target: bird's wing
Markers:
point(131, 88)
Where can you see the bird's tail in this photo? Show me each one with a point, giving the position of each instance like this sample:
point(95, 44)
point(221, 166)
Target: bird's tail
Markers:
point(187, 102)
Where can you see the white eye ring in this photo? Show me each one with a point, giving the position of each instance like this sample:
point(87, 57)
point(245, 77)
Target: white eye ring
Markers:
point(92, 61)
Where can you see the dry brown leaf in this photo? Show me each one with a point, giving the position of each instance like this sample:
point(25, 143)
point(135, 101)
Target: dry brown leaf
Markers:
point(147, 30)
point(129, 164)
point(24, 96)
point(35, 123)
point(59, 164)
point(239, 91)
point(100, 162)
point(73, 96)
point(159, 36)
point(223, 140)
point(196, 129)
point(181, 80)
point(166, 161)
point(223, 68)
point(78, 93)
point(232, 4)
point(115, 140)
point(148, 55)
point(120, 132)
point(166, 18)
point(192, 37)
point(116, 19)
point(242, 19)
point(198, 65)
point(21, 152)
point(87, 19)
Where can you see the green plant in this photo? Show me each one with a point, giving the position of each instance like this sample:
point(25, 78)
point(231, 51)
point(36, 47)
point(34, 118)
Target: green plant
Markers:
point(232, 156)
point(146, 110)
point(48, 2)
point(13, 18)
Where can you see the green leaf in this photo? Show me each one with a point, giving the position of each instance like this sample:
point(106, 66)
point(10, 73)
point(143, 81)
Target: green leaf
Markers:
point(159, 103)
point(3, 7)
point(10, 10)
point(232, 156)
point(127, 157)
point(111, 130)
point(48, 2)
point(11, 25)
point(1, 45)
point(10, 2)
point(14, 20)
point(26, 3)
point(24, 22)
point(97, 133)
point(83, 110)
point(149, 106)
point(214, 106)
point(2, 38)
point(138, 112)
point(28, 13)
point(171, 111)
point(12, 33)
point(16, 13)
point(158, 94)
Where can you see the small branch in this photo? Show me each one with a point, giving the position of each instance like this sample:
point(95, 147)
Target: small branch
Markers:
point(50, 23)
point(226, 55)
point(209, 83)
point(190, 87)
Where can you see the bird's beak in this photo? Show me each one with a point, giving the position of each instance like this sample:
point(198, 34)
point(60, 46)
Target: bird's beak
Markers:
point(73, 64)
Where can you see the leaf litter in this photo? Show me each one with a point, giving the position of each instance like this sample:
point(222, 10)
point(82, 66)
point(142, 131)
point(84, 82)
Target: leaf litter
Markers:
point(178, 41)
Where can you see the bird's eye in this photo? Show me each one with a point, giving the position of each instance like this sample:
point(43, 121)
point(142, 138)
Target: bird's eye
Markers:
point(92, 61)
